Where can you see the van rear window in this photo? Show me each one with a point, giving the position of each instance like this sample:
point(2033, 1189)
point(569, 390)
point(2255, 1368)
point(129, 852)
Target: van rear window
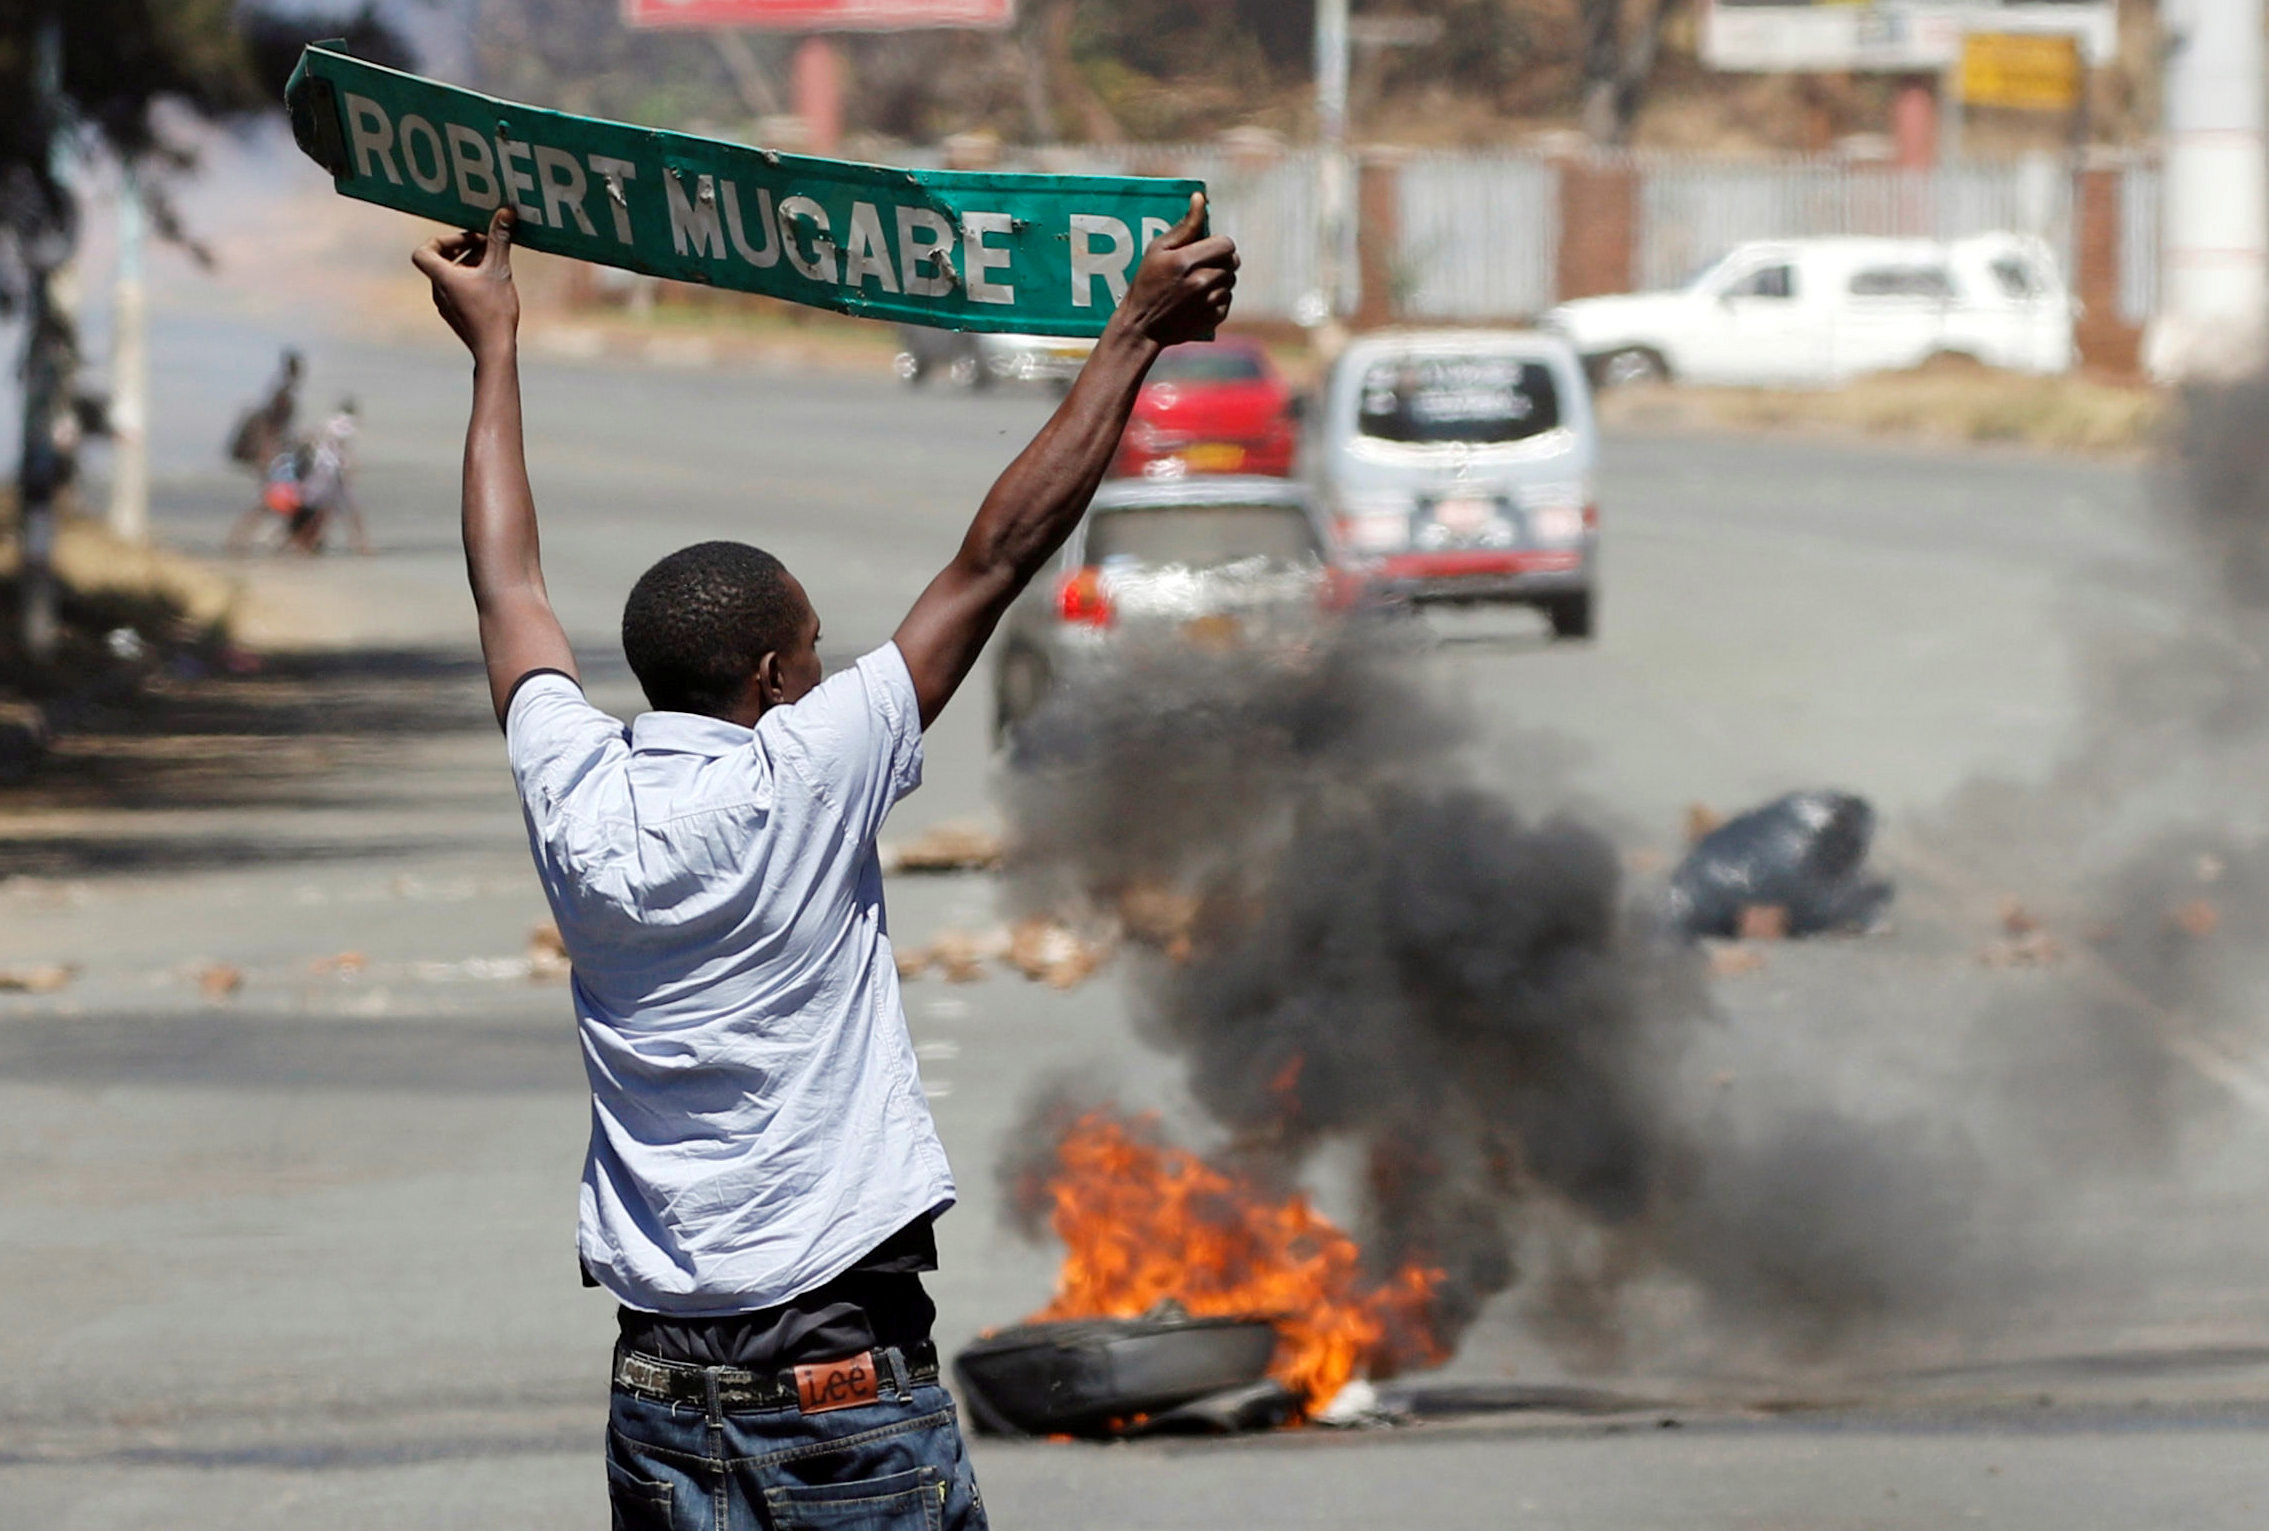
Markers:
point(1202, 536)
point(1475, 399)
point(1200, 363)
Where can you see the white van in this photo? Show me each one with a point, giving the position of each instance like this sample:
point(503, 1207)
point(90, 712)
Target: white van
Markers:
point(1457, 466)
point(1808, 312)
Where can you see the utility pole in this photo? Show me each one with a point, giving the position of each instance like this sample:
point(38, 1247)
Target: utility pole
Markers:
point(1320, 310)
point(130, 374)
point(2215, 281)
point(47, 367)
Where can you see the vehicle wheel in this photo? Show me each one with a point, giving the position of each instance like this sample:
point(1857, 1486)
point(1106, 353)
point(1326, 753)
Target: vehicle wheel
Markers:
point(1019, 687)
point(1570, 615)
point(966, 371)
point(910, 369)
point(1629, 366)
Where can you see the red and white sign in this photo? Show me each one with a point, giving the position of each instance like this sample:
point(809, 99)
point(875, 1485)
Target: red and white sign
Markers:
point(819, 15)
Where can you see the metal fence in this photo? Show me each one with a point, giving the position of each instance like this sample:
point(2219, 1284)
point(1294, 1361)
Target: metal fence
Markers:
point(1478, 236)
point(1693, 211)
point(1268, 205)
point(2138, 243)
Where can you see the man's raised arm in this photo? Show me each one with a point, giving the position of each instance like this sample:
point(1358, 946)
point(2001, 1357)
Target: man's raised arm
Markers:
point(1181, 291)
point(472, 287)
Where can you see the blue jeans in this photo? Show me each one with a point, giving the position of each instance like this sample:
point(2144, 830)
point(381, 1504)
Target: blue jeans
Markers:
point(895, 1464)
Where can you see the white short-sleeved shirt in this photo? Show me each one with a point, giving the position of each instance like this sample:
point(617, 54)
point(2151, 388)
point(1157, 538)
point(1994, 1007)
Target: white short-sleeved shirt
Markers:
point(756, 1121)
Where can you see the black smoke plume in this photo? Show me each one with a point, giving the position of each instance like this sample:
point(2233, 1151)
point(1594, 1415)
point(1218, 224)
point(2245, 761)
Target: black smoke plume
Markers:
point(1377, 949)
point(1935, 1157)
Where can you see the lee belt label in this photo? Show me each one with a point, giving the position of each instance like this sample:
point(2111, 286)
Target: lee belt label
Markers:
point(825, 1385)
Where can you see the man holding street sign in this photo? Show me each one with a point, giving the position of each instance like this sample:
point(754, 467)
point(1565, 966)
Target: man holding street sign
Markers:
point(763, 1172)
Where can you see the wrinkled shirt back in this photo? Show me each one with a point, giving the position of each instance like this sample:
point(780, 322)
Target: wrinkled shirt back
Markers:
point(756, 1120)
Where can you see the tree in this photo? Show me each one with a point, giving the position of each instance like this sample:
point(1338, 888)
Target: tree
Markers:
point(1621, 40)
point(80, 76)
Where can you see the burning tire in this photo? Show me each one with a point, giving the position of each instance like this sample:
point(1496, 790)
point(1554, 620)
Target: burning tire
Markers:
point(1096, 1377)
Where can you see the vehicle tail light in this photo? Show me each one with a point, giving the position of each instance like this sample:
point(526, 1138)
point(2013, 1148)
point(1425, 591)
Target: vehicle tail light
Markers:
point(1591, 517)
point(1080, 598)
point(1342, 589)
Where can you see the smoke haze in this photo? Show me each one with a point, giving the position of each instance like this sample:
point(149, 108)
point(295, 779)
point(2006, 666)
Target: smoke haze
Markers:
point(1922, 1158)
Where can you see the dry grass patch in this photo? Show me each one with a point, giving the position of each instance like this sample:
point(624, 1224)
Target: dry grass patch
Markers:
point(1957, 403)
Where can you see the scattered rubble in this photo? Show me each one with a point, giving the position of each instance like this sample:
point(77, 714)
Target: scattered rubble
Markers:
point(39, 978)
point(219, 980)
point(960, 955)
point(1160, 916)
point(341, 964)
point(957, 956)
point(1056, 955)
point(547, 954)
point(2022, 943)
point(954, 846)
point(1729, 959)
point(1762, 922)
point(1043, 950)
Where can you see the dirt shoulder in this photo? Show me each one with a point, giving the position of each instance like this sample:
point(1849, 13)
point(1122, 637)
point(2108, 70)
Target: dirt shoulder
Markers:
point(1933, 406)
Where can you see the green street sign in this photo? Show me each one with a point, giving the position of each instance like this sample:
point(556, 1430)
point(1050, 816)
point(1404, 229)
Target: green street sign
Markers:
point(960, 250)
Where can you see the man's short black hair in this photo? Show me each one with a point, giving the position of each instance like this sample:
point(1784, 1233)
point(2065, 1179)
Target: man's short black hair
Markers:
point(697, 623)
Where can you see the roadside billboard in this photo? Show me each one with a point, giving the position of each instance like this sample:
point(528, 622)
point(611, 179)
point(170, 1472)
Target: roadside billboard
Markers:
point(1887, 36)
point(2028, 72)
point(819, 15)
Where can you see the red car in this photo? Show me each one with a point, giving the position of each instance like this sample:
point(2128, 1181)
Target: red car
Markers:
point(1216, 406)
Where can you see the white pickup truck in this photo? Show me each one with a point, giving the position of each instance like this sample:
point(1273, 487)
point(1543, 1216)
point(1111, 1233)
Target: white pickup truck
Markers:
point(1807, 312)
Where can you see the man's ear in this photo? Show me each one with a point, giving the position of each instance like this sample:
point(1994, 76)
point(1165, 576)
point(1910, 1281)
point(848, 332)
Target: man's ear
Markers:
point(771, 684)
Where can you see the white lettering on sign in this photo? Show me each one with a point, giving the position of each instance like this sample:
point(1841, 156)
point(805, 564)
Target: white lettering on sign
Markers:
point(694, 228)
point(615, 172)
point(1088, 263)
point(563, 183)
point(977, 257)
point(869, 252)
point(1151, 229)
point(516, 180)
point(927, 262)
point(416, 131)
point(476, 171)
point(766, 226)
point(820, 264)
point(373, 135)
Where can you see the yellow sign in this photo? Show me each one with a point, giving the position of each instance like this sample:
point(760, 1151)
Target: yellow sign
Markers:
point(2026, 70)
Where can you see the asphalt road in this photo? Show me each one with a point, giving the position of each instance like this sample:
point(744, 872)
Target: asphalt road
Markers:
point(301, 1256)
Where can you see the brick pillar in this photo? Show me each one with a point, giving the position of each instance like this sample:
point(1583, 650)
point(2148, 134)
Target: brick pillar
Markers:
point(2106, 342)
point(1378, 237)
point(1599, 227)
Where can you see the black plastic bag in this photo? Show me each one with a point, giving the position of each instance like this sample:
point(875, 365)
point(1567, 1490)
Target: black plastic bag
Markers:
point(1805, 853)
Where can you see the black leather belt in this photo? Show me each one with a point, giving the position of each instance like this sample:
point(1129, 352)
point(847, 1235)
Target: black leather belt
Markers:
point(814, 1388)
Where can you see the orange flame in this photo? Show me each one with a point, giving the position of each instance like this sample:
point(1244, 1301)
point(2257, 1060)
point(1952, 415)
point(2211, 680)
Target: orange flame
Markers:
point(1144, 1223)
